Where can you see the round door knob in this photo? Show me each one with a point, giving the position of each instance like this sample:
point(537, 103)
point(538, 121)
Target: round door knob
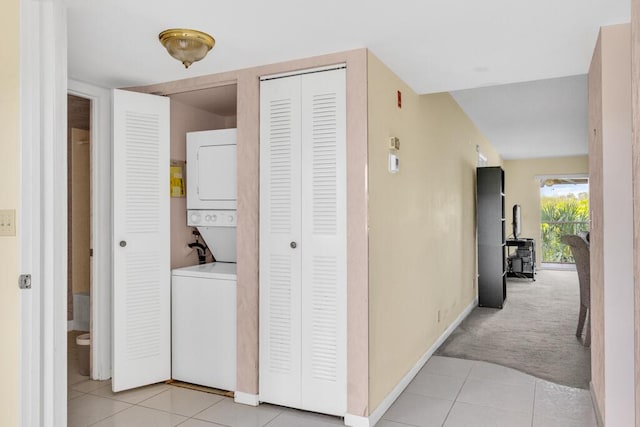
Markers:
point(293, 245)
point(123, 243)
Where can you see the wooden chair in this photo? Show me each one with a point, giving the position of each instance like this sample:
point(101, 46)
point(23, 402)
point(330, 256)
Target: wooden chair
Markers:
point(580, 249)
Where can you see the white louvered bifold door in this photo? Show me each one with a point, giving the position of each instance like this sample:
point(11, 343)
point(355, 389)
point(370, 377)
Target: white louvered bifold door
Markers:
point(280, 269)
point(141, 253)
point(303, 242)
point(323, 243)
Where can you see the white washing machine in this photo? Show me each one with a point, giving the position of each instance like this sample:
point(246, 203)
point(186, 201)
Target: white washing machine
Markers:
point(203, 325)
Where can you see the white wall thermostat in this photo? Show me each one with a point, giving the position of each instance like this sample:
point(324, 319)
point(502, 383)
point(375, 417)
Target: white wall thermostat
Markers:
point(394, 163)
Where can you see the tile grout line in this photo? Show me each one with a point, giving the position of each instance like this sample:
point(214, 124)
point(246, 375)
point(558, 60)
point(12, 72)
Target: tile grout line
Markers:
point(208, 407)
point(474, 362)
point(111, 415)
point(273, 419)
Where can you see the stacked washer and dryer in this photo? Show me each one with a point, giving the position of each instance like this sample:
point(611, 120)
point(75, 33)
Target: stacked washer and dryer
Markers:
point(203, 307)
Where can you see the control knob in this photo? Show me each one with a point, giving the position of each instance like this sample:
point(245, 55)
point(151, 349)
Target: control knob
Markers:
point(195, 217)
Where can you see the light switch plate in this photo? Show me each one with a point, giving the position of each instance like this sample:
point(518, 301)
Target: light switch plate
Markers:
point(7, 222)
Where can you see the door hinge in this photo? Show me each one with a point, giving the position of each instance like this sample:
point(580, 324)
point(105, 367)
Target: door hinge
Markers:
point(90, 252)
point(24, 281)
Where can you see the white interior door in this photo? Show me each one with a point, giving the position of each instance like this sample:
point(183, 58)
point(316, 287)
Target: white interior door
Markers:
point(303, 299)
point(280, 280)
point(324, 243)
point(141, 257)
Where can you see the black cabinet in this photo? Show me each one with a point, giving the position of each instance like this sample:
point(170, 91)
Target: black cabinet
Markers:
point(492, 281)
point(522, 261)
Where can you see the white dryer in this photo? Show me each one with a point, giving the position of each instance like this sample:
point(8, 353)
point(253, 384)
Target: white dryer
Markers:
point(211, 169)
point(211, 189)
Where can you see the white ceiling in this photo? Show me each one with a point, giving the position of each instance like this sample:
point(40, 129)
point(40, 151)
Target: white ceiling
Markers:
point(546, 118)
point(433, 45)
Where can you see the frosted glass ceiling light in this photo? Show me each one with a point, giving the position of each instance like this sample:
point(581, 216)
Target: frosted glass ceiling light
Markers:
point(187, 46)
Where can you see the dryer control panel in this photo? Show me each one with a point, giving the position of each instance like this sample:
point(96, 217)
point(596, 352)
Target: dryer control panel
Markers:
point(211, 218)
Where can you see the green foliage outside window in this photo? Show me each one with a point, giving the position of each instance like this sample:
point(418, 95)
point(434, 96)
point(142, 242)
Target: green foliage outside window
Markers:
point(559, 216)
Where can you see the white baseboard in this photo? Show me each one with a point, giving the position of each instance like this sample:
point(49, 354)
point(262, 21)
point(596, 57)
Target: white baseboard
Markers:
point(246, 398)
point(357, 421)
point(375, 416)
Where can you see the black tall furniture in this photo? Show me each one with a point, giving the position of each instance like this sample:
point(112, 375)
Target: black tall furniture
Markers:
point(521, 262)
point(492, 282)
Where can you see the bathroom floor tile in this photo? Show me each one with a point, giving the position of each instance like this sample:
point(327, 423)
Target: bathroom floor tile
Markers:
point(73, 394)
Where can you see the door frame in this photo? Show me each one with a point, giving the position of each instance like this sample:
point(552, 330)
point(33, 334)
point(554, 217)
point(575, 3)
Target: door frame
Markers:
point(43, 212)
point(100, 130)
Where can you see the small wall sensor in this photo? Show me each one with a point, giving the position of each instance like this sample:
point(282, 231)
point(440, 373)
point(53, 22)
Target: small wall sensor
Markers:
point(394, 143)
point(394, 163)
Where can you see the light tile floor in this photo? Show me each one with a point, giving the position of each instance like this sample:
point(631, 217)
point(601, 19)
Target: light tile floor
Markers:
point(446, 392)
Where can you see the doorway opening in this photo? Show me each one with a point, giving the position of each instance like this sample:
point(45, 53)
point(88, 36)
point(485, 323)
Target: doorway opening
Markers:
point(564, 210)
point(79, 238)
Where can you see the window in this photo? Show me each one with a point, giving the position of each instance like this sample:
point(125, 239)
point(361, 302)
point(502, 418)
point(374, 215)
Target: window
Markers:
point(564, 209)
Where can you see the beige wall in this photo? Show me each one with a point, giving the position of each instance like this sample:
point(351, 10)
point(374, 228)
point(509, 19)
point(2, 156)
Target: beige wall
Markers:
point(78, 117)
point(185, 118)
point(79, 219)
point(522, 188)
point(612, 290)
point(422, 256)
point(9, 199)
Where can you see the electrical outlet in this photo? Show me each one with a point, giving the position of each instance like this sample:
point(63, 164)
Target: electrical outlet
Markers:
point(7, 222)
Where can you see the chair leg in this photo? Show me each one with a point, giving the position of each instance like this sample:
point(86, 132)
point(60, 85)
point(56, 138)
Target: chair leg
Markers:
point(581, 319)
point(587, 337)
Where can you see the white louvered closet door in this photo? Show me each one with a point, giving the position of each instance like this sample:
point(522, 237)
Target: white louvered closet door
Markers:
point(280, 268)
point(141, 257)
point(303, 200)
point(324, 243)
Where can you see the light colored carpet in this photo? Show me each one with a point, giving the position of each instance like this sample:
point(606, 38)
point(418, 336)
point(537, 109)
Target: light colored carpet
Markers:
point(533, 333)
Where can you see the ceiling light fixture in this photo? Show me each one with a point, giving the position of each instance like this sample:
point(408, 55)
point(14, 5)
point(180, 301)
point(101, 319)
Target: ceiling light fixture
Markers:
point(187, 46)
